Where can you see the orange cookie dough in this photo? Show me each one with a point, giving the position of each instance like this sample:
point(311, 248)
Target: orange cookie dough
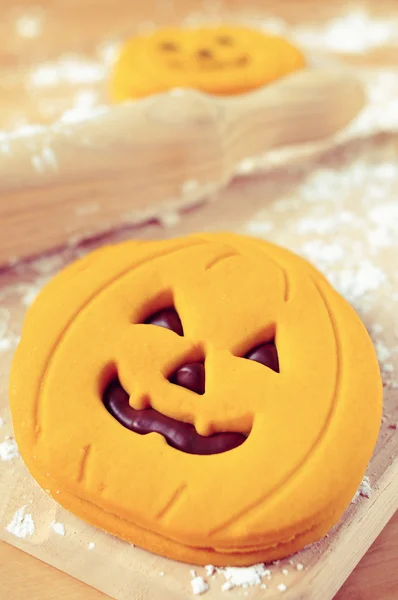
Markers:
point(217, 60)
point(209, 398)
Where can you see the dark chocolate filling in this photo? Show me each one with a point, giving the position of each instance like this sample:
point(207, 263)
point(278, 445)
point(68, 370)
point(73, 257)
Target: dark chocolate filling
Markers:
point(179, 435)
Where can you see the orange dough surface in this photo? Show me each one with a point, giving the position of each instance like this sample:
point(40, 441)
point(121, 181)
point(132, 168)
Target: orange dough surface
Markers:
point(223, 60)
point(311, 427)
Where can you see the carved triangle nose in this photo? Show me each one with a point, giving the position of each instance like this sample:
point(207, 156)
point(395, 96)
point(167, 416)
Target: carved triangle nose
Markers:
point(190, 376)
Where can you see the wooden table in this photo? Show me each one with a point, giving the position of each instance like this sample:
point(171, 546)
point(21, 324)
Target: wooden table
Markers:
point(375, 578)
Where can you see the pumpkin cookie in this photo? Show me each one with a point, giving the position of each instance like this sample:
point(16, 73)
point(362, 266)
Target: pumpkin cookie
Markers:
point(210, 398)
point(218, 60)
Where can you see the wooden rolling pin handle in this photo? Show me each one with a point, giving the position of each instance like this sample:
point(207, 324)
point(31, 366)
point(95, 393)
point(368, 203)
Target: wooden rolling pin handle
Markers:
point(75, 179)
point(307, 106)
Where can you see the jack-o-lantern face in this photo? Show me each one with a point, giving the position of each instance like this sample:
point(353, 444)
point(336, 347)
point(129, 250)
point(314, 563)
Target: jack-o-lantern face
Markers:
point(210, 398)
point(218, 60)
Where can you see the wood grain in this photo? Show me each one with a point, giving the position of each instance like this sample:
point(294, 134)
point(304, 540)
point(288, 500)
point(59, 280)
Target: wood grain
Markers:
point(374, 578)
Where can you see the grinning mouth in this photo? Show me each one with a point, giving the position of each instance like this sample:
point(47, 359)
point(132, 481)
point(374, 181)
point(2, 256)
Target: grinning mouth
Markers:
point(179, 435)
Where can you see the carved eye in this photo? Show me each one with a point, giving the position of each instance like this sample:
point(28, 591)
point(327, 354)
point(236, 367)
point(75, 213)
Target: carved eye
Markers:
point(265, 354)
point(167, 318)
point(225, 40)
point(190, 376)
point(168, 47)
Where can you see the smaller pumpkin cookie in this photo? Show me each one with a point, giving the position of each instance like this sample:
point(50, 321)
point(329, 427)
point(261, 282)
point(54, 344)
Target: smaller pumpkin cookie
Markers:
point(210, 398)
point(223, 60)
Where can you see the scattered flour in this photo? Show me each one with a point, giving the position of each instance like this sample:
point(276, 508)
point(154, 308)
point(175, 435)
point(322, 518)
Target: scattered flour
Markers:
point(22, 524)
point(108, 51)
point(246, 166)
point(259, 228)
point(356, 281)
point(210, 570)
point(70, 69)
point(365, 490)
point(79, 114)
point(85, 99)
point(228, 585)
point(8, 450)
point(5, 344)
point(327, 254)
point(190, 187)
point(30, 295)
point(299, 567)
point(243, 576)
point(48, 264)
point(199, 586)
point(1, 422)
point(45, 160)
point(169, 218)
point(336, 35)
point(382, 351)
point(58, 528)
point(91, 546)
point(30, 24)
point(281, 587)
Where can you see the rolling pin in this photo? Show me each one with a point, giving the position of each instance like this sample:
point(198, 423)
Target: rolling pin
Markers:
point(131, 162)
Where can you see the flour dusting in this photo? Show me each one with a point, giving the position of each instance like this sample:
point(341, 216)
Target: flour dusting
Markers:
point(69, 69)
point(243, 576)
point(199, 586)
point(58, 528)
point(365, 490)
point(22, 525)
point(337, 34)
point(8, 450)
point(30, 24)
point(5, 344)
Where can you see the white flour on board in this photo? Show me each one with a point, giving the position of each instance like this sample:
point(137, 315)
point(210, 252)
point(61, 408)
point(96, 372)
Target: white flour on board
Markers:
point(8, 450)
point(243, 576)
point(30, 24)
point(365, 489)
point(69, 69)
point(22, 524)
point(58, 528)
point(337, 35)
point(199, 586)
